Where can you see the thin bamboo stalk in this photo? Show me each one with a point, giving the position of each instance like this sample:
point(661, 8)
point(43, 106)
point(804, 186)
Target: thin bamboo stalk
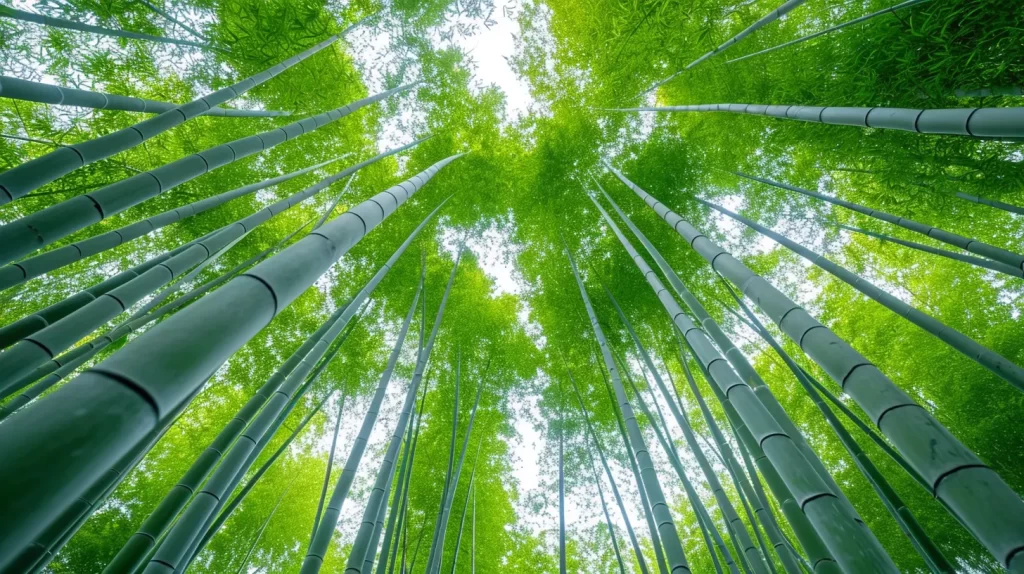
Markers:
point(561, 481)
point(156, 9)
point(967, 244)
point(439, 524)
point(975, 493)
point(330, 465)
point(853, 545)
point(27, 234)
point(465, 509)
point(1000, 123)
point(998, 364)
point(39, 92)
point(992, 203)
point(403, 517)
point(263, 527)
point(607, 516)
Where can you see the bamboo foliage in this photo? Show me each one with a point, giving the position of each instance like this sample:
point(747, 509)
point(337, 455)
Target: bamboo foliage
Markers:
point(157, 368)
point(974, 493)
point(360, 547)
point(1002, 123)
point(665, 524)
point(43, 227)
point(852, 544)
point(967, 244)
point(984, 356)
point(39, 92)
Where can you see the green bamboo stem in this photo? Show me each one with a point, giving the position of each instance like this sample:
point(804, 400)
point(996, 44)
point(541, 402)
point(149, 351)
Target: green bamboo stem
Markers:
point(975, 493)
point(39, 92)
point(999, 123)
point(382, 512)
point(439, 524)
point(673, 548)
point(334, 204)
point(829, 30)
point(607, 515)
point(976, 261)
point(465, 509)
point(404, 518)
point(998, 364)
point(562, 567)
point(156, 9)
point(318, 549)
point(21, 15)
point(27, 234)
point(608, 472)
point(160, 371)
point(330, 465)
point(263, 527)
point(970, 245)
point(992, 203)
point(853, 545)
point(31, 175)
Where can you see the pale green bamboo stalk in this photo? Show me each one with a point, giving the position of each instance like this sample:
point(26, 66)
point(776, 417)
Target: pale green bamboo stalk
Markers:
point(172, 19)
point(974, 246)
point(27, 234)
point(974, 493)
point(976, 261)
point(998, 364)
point(330, 466)
point(1000, 123)
point(607, 516)
point(992, 203)
point(31, 175)
point(381, 514)
point(659, 507)
point(465, 508)
point(440, 524)
point(853, 545)
point(561, 481)
point(21, 15)
point(404, 518)
point(163, 366)
point(829, 30)
point(396, 510)
point(334, 204)
point(263, 527)
point(318, 549)
point(39, 92)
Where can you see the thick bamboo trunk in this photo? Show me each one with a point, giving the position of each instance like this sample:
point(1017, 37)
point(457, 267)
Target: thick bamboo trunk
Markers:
point(853, 545)
point(829, 30)
point(974, 246)
point(673, 548)
point(975, 493)
point(999, 123)
point(970, 348)
point(23, 236)
point(128, 392)
point(325, 530)
point(29, 91)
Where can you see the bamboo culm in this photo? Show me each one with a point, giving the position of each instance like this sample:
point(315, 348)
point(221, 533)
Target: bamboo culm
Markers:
point(156, 9)
point(737, 359)
point(404, 517)
point(206, 333)
point(607, 515)
point(439, 524)
point(45, 344)
point(673, 548)
point(970, 245)
point(330, 467)
point(998, 123)
point(42, 93)
point(259, 533)
point(976, 261)
point(465, 509)
point(31, 175)
point(976, 495)
point(325, 530)
point(396, 505)
point(561, 481)
point(382, 512)
point(829, 30)
point(992, 202)
point(611, 478)
point(23, 236)
point(853, 545)
point(999, 365)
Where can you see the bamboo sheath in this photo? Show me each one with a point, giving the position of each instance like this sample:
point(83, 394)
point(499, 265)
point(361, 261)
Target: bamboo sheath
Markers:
point(984, 356)
point(43, 227)
point(31, 175)
point(975, 493)
point(852, 544)
point(977, 122)
point(974, 246)
point(39, 92)
point(665, 524)
point(207, 333)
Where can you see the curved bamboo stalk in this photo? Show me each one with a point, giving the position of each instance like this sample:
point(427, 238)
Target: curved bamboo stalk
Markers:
point(1001, 123)
point(156, 9)
point(43, 227)
point(970, 245)
point(853, 545)
point(992, 203)
point(975, 493)
point(42, 93)
point(157, 376)
point(608, 472)
point(360, 547)
point(673, 548)
point(976, 261)
point(18, 181)
point(21, 15)
point(999, 365)
point(43, 263)
point(882, 12)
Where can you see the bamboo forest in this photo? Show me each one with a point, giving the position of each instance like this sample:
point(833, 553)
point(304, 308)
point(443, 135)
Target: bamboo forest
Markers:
point(527, 286)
